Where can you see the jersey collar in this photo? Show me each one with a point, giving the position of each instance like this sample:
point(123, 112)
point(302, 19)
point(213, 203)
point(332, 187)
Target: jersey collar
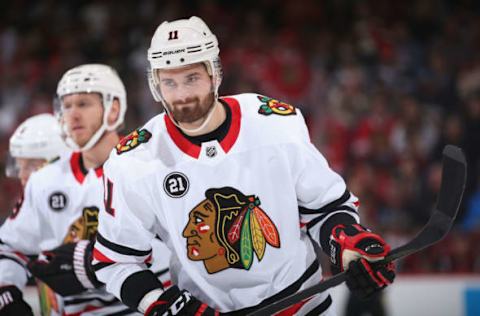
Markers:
point(79, 170)
point(227, 143)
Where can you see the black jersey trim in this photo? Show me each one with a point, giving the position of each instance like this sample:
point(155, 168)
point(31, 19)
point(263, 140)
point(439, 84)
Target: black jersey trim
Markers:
point(122, 249)
point(99, 266)
point(77, 301)
point(321, 308)
point(292, 288)
point(161, 272)
point(17, 261)
point(330, 207)
point(316, 220)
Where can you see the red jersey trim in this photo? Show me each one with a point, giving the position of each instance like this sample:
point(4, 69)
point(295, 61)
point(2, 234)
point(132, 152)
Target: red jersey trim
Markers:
point(97, 255)
point(293, 309)
point(78, 169)
point(232, 135)
point(182, 143)
point(227, 143)
point(99, 171)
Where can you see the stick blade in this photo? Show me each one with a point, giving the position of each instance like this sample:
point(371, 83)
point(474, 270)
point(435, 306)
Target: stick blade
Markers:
point(454, 175)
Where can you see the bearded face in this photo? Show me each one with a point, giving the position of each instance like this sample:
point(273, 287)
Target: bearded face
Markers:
point(187, 91)
point(191, 109)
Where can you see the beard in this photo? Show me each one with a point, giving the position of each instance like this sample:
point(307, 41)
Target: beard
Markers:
point(195, 110)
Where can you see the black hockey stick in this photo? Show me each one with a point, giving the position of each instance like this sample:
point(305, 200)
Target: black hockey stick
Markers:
point(454, 172)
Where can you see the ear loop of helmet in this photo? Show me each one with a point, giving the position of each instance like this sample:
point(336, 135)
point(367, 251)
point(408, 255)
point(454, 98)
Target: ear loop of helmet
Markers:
point(107, 107)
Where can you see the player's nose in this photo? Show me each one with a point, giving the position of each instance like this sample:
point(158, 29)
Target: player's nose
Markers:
point(183, 93)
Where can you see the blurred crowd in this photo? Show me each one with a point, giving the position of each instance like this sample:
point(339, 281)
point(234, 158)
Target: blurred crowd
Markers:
point(383, 85)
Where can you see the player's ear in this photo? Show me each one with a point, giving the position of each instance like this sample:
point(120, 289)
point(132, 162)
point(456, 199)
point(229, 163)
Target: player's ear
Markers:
point(114, 112)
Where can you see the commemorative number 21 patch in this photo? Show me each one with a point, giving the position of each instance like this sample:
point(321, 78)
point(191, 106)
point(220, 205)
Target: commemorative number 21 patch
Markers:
point(273, 106)
point(132, 140)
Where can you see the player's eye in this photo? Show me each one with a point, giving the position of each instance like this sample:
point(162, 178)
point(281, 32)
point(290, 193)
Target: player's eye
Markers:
point(84, 103)
point(169, 83)
point(192, 79)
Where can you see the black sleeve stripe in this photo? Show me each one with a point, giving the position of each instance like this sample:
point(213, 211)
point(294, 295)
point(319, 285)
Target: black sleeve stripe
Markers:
point(122, 249)
point(137, 285)
point(289, 290)
point(321, 308)
point(318, 219)
point(161, 272)
point(75, 301)
point(3, 257)
point(329, 207)
point(99, 266)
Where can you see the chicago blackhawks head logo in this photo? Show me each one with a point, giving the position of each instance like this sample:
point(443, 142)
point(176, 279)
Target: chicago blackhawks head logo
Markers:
point(132, 140)
point(273, 106)
point(84, 227)
point(227, 228)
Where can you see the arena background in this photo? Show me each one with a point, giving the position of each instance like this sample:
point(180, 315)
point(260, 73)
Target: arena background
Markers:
point(384, 85)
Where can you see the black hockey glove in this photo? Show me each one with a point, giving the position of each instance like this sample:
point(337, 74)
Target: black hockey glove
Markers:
point(180, 303)
point(357, 250)
point(67, 269)
point(12, 303)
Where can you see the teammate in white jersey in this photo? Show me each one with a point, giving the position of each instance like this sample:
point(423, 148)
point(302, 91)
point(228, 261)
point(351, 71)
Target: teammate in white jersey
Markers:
point(236, 189)
point(59, 215)
point(36, 142)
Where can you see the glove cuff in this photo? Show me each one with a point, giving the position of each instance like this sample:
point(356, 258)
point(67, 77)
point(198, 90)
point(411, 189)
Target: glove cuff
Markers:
point(148, 300)
point(81, 256)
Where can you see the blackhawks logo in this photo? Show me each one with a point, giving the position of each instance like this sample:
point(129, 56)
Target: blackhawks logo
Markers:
point(134, 139)
point(227, 229)
point(85, 227)
point(272, 106)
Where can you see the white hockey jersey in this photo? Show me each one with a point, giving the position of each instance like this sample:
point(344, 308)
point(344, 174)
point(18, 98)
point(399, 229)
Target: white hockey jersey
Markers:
point(61, 204)
point(235, 213)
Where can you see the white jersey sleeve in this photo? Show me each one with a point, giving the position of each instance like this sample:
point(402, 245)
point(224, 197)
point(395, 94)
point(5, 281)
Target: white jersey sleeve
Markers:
point(19, 237)
point(321, 192)
point(124, 236)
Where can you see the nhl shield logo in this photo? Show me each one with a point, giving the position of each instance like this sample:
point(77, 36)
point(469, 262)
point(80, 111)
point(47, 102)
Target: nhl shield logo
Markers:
point(211, 151)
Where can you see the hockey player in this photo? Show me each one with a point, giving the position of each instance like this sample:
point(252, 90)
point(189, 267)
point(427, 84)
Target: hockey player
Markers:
point(59, 215)
point(235, 187)
point(35, 143)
